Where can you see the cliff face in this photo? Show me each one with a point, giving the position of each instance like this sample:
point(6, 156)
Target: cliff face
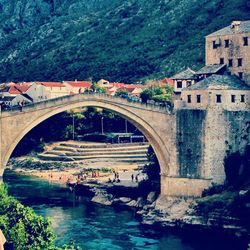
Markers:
point(114, 39)
point(19, 14)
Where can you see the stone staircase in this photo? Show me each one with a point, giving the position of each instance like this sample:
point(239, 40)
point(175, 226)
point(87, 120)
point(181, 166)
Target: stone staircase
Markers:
point(81, 151)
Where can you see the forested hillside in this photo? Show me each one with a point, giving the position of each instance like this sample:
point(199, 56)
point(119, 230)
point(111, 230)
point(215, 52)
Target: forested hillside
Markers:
point(119, 40)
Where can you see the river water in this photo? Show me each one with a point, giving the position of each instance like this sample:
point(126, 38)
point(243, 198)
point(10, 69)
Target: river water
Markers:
point(93, 226)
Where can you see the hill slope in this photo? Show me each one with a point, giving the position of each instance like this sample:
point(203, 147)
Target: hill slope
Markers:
point(113, 39)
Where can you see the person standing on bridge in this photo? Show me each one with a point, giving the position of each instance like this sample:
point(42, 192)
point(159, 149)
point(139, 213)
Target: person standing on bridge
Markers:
point(20, 106)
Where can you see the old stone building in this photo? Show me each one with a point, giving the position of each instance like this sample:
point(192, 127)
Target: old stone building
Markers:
point(231, 46)
point(218, 92)
point(183, 80)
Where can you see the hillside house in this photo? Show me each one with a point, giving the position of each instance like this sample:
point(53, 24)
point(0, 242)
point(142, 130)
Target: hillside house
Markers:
point(15, 100)
point(14, 89)
point(53, 89)
point(231, 46)
point(76, 87)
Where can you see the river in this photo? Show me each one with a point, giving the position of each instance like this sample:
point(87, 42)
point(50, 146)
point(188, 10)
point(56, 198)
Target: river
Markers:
point(92, 226)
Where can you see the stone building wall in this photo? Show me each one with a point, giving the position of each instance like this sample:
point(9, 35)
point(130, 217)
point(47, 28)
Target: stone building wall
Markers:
point(227, 132)
point(189, 142)
point(208, 99)
point(234, 51)
point(206, 138)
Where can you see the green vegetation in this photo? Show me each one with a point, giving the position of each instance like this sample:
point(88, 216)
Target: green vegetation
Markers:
point(24, 229)
point(121, 93)
point(126, 41)
point(157, 94)
point(233, 198)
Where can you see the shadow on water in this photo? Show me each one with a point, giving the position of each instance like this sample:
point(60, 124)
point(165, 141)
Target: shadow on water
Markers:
point(93, 226)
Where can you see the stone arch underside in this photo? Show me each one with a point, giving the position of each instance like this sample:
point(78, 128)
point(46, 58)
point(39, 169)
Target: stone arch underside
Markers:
point(151, 134)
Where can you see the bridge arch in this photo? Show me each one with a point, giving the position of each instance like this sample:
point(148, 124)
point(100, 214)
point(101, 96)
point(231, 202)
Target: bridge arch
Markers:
point(138, 121)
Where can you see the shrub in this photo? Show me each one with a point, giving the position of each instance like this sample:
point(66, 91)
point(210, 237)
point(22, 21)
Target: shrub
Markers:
point(24, 229)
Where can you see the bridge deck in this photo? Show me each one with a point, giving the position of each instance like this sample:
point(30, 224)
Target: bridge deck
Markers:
point(69, 99)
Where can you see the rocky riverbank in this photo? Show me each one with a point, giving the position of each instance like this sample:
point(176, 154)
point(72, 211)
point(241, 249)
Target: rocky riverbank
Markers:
point(227, 211)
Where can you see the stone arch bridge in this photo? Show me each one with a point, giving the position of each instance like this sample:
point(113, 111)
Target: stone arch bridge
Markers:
point(176, 137)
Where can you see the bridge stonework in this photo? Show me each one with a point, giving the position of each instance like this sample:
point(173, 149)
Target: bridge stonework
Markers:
point(190, 145)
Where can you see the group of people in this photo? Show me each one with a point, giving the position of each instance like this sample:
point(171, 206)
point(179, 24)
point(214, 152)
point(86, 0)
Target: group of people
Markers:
point(134, 177)
point(116, 178)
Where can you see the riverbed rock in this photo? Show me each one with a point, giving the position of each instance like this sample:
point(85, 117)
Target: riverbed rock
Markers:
point(140, 202)
point(102, 197)
point(151, 197)
point(243, 192)
point(124, 199)
point(132, 203)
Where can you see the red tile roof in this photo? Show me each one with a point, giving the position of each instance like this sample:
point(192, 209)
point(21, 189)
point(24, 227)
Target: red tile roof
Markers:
point(51, 84)
point(16, 89)
point(79, 84)
point(22, 88)
point(168, 81)
point(127, 86)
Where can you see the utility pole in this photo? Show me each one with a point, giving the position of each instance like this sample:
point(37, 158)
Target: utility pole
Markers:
point(126, 126)
point(73, 125)
point(102, 125)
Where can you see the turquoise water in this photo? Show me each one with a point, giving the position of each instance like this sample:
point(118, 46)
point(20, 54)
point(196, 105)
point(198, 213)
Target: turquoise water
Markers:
point(93, 226)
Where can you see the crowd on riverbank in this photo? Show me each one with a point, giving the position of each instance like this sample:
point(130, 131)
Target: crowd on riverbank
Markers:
point(76, 173)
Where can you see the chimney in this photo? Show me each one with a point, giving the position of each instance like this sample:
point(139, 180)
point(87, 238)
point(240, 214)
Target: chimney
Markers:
point(235, 25)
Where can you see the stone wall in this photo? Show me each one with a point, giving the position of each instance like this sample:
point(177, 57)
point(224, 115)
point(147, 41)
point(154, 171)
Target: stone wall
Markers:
point(227, 132)
point(189, 141)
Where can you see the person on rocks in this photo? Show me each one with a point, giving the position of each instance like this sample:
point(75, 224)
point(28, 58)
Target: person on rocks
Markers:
point(136, 178)
point(132, 177)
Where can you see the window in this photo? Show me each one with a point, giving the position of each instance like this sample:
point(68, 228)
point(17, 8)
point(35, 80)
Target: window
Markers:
point(198, 98)
point(218, 98)
point(240, 75)
point(188, 83)
point(242, 98)
point(221, 60)
point(214, 45)
point(226, 43)
point(189, 100)
point(233, 98)
point(239, 62)
point(245, 41)
point(230, 63)
point(179, 84)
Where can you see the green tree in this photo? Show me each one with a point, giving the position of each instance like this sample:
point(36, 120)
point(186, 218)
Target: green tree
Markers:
point(121, 93)
point(146, 95)
point(24, 229)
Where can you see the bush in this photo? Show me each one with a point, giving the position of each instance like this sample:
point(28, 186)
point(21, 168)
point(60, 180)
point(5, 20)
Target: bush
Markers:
point(24, 229)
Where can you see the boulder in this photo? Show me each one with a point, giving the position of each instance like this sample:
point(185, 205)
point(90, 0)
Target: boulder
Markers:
point(140, 202)
point(124, 199)
point(102, 197)
point(132, 203)
point(151, 197)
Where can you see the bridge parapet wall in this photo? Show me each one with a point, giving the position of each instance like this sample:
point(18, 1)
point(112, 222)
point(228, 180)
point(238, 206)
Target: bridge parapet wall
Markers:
point(95, 96)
